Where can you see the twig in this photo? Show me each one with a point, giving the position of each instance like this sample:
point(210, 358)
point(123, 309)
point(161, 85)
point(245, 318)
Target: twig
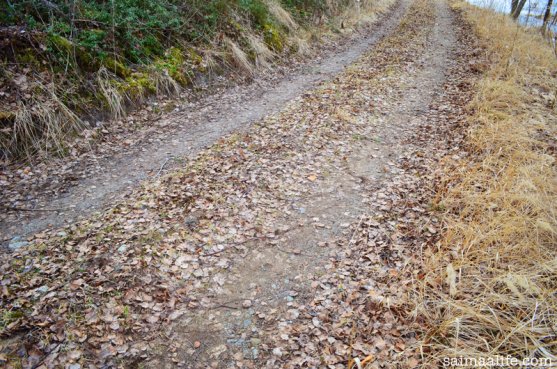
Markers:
point(261, 238)
point(45, 356)
point(356, 230)
point(16, 208)
point(297, 252)
point(231, 245)
point(162, 166)
point(226, 305)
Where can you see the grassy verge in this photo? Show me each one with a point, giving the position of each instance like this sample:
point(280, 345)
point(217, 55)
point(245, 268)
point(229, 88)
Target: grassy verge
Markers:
point(490, 288)
point(63, 63)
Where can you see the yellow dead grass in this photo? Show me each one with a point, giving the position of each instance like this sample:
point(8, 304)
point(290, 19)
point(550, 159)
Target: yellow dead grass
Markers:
point(281, 15)
point(364, 11)
point(239, 58)
point(42, 127)
point(491, 286)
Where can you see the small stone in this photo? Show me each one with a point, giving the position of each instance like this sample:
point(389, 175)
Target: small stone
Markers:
point(16, 243)
point(246, 304)
point(247, 323)
point(197, 344)
point(292, 314)
point(122, 248)
point(74, 355)
point(316, 322)
point(277, 351)
point(42, 289)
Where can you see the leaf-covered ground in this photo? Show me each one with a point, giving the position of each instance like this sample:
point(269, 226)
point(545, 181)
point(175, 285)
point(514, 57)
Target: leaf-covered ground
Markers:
point(116, 155)
point(290, 245)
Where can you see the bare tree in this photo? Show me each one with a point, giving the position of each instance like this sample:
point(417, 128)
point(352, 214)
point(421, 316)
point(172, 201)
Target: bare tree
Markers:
point(516, 7)
point(546, 16)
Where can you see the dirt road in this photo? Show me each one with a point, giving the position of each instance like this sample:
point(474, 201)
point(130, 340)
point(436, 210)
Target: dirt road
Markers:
point(349, 138)
point(288, 244)
point(178, 136)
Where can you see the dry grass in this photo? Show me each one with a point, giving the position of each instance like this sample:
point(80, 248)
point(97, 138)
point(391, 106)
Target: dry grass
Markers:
point(362, 12)
point(263, 55)
point(113, 98)
point(491, 285)
point(239, 58)
point(41, 127)
point(165, 85)
point(281, 15)
point(302, 43)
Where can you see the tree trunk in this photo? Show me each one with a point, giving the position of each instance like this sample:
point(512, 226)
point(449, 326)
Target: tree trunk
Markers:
point(546, 16)
point(516, 8)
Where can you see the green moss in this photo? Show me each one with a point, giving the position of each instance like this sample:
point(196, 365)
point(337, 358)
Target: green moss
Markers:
point(137, 86)
point(175, 64)
point(194, 56)
point(9, 317)
point(196, 60)
point(65, 47)
point(236, 27)
point(175, 56)
point(28, 56)
point(116, 67)
point(60, 42)
point(273, 38)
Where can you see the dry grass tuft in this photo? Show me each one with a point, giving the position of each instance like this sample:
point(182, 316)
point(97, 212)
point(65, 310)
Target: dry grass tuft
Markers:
point(113, 98)
point(364, 11)
point(263, 55)
point(490, 287)
point(239, 58)
point(301, 42)
point(281, 15)
point(164, 84)
point(41, 127)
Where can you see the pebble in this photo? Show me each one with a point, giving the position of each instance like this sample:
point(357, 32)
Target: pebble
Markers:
point(17, 243)
point(42, 289)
